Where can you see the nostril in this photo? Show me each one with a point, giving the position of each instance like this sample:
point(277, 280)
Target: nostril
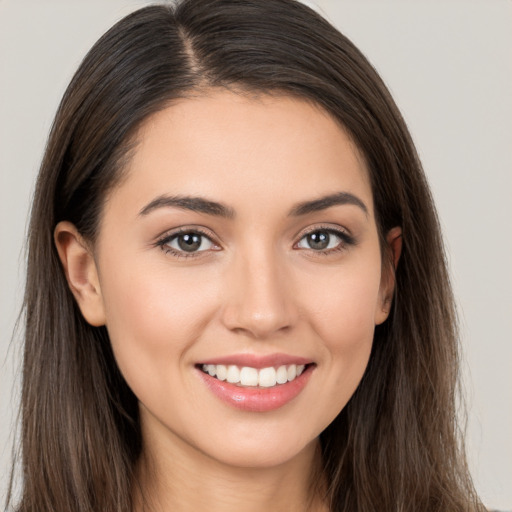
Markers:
point(258, 300)
point(244, 319)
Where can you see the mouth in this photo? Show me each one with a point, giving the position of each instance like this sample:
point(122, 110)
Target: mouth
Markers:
point(266, 385)
point(248, 376)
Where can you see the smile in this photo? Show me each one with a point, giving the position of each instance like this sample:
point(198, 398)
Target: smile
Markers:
point(256, 384)
point(254, 377)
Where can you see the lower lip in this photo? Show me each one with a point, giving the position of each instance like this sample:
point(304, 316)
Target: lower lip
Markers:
point(257, 399)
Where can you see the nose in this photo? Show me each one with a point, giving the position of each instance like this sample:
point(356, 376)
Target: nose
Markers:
point(259, 298)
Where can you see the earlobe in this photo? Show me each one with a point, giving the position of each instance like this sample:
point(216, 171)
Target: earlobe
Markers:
point(390, 263)
point(81, 272)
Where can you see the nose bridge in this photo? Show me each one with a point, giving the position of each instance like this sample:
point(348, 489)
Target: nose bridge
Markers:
point(259, 301)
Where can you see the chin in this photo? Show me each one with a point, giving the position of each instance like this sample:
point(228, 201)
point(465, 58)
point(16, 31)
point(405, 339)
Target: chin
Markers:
point(258, 457)
point(261, 448)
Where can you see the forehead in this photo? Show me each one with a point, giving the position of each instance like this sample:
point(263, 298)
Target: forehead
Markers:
point(229, 146)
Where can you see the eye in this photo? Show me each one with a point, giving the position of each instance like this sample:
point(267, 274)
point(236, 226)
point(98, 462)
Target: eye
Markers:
point(186, 242)
point(323, 240)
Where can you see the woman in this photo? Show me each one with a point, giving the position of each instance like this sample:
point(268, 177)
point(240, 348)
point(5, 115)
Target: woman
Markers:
point(236, 289)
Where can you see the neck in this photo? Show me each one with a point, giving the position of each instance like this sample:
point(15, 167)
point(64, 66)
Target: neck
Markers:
point(176, 477)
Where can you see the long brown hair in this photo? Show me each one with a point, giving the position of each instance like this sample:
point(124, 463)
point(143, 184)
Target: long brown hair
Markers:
point(396, 445)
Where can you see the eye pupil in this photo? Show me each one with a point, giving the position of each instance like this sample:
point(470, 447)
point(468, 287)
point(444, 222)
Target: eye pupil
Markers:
point(318, 240)
point(189, 242)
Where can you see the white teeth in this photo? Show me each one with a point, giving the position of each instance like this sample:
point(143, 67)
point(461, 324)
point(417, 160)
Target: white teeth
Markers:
point(282, 375)
point(222, 372)
point(233, 375)
point(267, 377)
point(247, 376)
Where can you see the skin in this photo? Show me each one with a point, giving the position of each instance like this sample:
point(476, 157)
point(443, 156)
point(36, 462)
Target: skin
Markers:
point(165, 313)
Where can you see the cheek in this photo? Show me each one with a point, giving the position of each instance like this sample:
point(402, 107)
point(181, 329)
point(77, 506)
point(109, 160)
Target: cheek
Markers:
point(343, 317)
point(153, 317)
point(343, 309)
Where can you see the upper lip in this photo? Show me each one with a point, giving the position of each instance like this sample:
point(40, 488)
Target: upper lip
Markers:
point(257, 361)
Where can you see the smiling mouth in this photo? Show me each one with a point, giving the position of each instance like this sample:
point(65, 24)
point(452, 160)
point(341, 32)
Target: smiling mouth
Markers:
point(247, 376)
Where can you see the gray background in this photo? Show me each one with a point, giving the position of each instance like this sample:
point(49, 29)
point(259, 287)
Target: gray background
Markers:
point(448, 64)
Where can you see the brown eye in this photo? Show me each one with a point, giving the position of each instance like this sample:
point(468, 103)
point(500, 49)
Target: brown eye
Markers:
point(325, 240)
point(318, 240)
point(189, 242)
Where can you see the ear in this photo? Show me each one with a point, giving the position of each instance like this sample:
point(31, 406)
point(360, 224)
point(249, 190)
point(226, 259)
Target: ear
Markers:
point(393, 250)
point(81, 272)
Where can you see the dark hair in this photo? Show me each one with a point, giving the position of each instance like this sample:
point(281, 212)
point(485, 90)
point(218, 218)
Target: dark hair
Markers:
point(396, 445)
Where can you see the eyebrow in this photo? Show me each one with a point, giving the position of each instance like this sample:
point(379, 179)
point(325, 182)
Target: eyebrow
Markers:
point(195, 204)
point(340, 198)
point(202, 205)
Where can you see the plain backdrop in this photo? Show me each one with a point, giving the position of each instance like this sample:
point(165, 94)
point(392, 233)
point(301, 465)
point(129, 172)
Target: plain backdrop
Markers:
point(449, 66)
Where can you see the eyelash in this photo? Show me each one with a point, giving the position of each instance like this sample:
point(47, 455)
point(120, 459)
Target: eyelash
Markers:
point(165, 240)
point(346, 241)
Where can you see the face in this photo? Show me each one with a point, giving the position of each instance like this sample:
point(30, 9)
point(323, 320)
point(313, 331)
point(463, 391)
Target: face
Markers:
point(239, 276)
